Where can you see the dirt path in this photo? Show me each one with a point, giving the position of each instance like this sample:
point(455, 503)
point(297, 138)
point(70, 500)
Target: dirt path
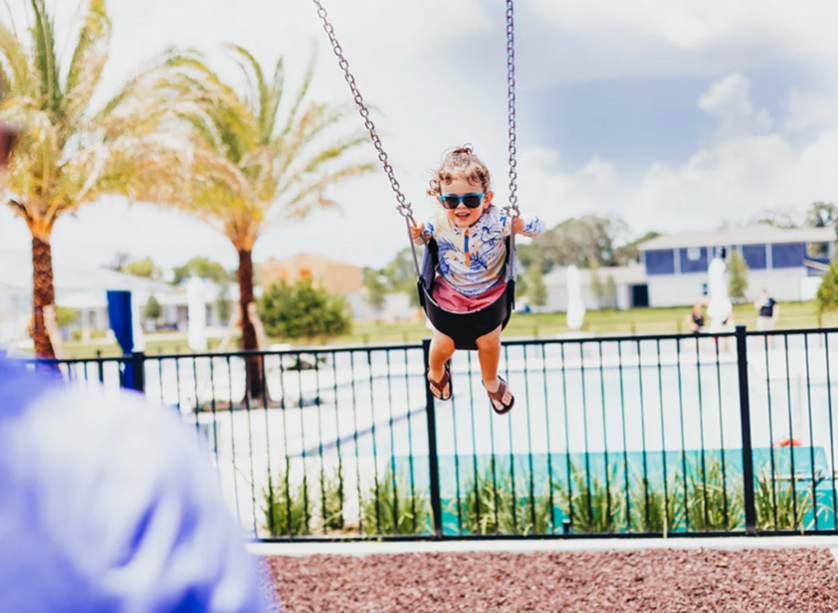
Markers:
point(663, 580)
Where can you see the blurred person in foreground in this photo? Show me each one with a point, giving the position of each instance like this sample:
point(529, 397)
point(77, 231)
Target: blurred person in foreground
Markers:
point(110, 506)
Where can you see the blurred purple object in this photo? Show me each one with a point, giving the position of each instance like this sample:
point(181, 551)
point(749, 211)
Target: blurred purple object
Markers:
point(109, 504)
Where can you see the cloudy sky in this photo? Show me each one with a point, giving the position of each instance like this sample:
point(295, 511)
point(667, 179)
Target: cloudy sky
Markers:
point(675, 114)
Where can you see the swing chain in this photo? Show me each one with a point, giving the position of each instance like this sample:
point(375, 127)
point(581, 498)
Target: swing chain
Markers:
point(403, 207)
point(512, 209)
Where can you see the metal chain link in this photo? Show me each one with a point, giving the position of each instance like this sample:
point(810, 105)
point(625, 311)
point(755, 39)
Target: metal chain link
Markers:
point(403, 207)
point(513, 149)
point(512, 208)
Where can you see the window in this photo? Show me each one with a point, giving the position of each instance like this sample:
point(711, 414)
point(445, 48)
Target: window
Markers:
point(788, 255)
point(660, 262)
point(694, 259)
point(755, 256)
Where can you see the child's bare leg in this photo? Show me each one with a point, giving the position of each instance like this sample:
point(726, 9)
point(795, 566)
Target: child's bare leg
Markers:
point(442, 348)
point(488, 352)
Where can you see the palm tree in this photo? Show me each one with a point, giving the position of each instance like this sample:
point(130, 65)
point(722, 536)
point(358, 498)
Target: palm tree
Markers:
point(287, 155)
point(68, 154)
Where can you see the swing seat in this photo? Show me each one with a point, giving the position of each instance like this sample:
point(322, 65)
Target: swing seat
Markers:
point(463, 328)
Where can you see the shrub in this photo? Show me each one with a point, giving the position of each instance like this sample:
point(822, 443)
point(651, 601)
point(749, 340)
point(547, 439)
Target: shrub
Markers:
point(713, 504)
point(784, 508)
point(491, 504)
point(654, 509)
point(827, 296)
point(394, 507)
point(598, 508)
point(285, 509)
point(302, 311)
point(738, 271)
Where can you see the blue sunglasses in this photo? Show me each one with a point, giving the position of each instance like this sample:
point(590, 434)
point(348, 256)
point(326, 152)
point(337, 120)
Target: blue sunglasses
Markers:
point(470, 201)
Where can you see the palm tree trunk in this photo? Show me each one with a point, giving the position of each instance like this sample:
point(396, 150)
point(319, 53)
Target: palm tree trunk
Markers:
point(43, 295)
point(248, 342)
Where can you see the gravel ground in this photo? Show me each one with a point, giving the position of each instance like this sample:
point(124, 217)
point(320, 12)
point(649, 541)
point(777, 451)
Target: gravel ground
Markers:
point(660, 580)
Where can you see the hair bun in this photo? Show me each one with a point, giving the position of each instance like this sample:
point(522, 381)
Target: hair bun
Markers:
point(460, 162)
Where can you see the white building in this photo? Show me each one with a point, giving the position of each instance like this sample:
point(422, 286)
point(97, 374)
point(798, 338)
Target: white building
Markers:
point(673, 268)
point(396, 307)
point(783, 261)
point(615, 287)
point(83, 288)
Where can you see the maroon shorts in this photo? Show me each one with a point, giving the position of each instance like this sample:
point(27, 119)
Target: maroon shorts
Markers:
point(452, 300)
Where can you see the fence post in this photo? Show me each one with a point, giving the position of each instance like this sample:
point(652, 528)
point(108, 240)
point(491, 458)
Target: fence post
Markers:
point(745, 424)
point(138, 362)
point(433, 459)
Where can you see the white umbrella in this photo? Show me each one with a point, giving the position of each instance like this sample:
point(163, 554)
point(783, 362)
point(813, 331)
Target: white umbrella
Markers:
point(575, 306)
point(197, 312)
point(720, 308)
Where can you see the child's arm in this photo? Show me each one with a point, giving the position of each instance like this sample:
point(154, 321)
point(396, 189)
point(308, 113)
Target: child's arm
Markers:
point(531, 226)
point(422, 232)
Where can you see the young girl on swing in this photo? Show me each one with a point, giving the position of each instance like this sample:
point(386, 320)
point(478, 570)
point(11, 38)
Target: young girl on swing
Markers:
point(470, 233)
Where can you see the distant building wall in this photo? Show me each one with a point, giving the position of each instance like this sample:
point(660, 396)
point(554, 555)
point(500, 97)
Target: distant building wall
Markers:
point(683, 290)
point(623, 278)
point(396, 307)
point(334, 276)
point(15, 311)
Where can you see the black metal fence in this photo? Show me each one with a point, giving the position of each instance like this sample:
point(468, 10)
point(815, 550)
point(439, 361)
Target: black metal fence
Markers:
point(672, 435)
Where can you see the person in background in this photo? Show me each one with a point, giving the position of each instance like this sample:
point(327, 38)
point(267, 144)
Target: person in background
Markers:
point(767, 312)
point(695, 319)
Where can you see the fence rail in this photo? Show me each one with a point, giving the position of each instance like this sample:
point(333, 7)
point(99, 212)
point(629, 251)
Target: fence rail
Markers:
point(672, 434)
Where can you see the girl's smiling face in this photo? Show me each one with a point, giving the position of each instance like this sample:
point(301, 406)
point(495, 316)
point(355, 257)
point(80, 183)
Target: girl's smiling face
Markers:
point(463, 217)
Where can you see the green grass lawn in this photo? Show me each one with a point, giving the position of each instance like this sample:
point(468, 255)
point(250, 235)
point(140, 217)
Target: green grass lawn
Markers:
point(165, 345)
point(521, 325)
point(606, 322)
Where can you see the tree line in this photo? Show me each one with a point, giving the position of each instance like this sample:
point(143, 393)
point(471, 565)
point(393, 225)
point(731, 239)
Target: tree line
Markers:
point(599, 242)
point(591, 241)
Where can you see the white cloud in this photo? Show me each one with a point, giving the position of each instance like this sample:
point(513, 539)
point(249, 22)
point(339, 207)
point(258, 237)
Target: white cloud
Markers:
point(729, 101)
point(740, 172)
point(603, 39)
point(435, 70)
point(729, 180)
point(807, 111)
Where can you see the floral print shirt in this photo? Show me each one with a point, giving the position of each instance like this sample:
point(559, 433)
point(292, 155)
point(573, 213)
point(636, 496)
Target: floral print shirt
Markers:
point(472, 259)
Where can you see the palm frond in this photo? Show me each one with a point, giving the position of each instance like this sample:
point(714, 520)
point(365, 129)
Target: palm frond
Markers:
point(16, 64)
point(248, 64)
point(270, 111)
point(283, 176)
point(307, 166)
point(311, 195)
point(43, 35)
point(89, 58)
point(317, 119)
point(335, 151)
point(291, 121)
